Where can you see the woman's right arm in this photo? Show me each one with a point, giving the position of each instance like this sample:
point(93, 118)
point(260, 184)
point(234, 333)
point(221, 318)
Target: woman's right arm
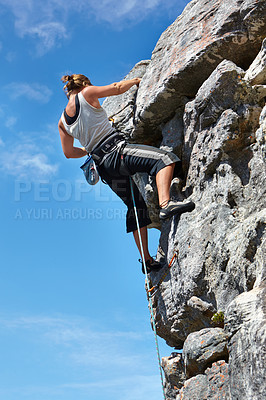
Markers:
point(67, 142)
point(114, 89)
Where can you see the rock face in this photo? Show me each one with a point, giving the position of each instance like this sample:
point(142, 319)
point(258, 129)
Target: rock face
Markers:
point(256, 73)
point(205, 34)
point(245, 325)
point(213, 385)
point(174, 369)
point(202, 348)
point(203, 96)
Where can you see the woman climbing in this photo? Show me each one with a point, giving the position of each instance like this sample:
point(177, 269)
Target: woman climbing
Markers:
point(116, 160)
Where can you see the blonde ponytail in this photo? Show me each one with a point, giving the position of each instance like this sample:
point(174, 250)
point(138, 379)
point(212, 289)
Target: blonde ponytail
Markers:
point(74, 81)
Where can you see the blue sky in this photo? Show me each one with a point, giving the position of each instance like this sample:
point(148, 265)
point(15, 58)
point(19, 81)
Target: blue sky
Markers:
point(74, 321)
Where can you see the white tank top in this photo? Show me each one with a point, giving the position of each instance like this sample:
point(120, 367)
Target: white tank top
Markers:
point(91, 126)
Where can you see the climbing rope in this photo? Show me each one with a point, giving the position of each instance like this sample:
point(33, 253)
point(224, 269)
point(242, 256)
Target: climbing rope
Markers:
point(148, 285)
point(155, 288)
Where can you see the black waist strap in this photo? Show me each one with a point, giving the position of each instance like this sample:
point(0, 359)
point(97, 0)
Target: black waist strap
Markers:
point(107, 146)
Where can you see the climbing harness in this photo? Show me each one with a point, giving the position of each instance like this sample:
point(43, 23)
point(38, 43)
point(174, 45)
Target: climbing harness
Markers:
point(148, 285)
point(152, 291)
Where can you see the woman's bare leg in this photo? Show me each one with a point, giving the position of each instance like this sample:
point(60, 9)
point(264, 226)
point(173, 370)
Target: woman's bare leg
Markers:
point(144, 239)
point(163, 181)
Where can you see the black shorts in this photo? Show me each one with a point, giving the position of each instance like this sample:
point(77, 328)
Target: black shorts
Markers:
point(126, 160)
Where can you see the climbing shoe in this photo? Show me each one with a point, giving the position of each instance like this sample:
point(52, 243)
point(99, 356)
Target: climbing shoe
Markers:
point(174, 208)
point(151, 265)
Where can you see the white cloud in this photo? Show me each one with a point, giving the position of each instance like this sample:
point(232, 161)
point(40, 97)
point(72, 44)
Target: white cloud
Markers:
point(34, 91)
point(10, 122)
point(131, 11)
point(7, 120)
point(44, 20)
point(49, 21)
point(49, 34)
point(34, 155)
point(120, 364)
point(86, 344)
point(26, 160)
point(38, 162)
